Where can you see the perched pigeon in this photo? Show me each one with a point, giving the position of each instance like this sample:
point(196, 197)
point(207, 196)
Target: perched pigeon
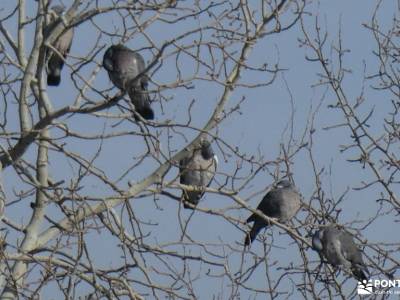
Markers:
point(282, 202)
point(197, 169)
point(62, 44)
point(339, 249)
point(125, 69)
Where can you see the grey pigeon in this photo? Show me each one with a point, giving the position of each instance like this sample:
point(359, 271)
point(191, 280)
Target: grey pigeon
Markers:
point(197, 169)
point(339, 249)
point(283, 202)
point(125, 68)
point(62, 44)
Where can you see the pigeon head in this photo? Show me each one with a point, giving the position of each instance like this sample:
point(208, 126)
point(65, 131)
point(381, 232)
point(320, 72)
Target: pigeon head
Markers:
point(284, 183)
point(58, 9)
point(107, 58)
point(206, 150)
point(317, 241)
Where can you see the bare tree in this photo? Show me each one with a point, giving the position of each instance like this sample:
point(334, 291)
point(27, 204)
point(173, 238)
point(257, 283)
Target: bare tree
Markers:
point(90, 196)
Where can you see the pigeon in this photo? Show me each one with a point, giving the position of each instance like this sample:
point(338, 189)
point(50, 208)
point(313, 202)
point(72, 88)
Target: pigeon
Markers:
point(55, 61)
point(339, 249)
point(197, 169)
point(283, 202)
point(125, 68)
